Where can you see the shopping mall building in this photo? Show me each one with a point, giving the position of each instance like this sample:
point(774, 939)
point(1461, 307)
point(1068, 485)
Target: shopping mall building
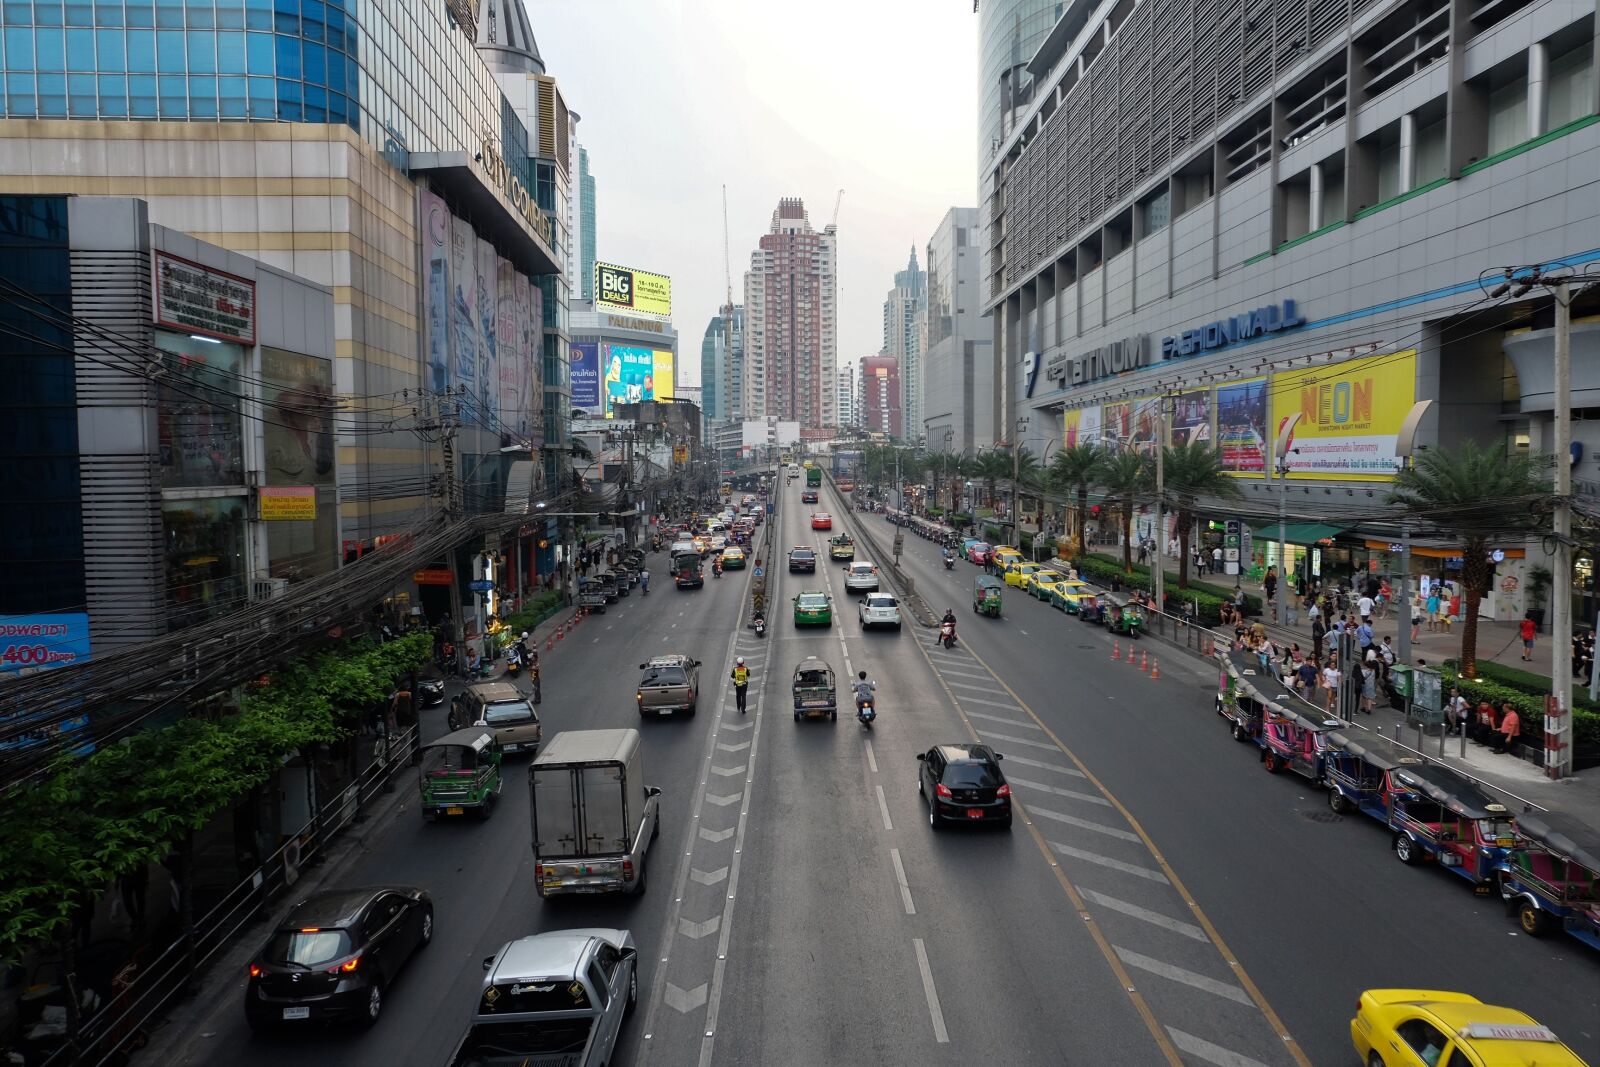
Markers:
point(1260, 211)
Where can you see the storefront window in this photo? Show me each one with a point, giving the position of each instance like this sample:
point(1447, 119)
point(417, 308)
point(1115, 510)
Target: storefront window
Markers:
point(197, 413)
point(205, 559)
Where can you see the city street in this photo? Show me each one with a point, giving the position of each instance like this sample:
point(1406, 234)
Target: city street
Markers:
point(1161, 900)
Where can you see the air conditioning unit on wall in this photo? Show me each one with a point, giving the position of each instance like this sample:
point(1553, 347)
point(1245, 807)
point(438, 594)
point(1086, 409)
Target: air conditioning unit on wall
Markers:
point(268, 588)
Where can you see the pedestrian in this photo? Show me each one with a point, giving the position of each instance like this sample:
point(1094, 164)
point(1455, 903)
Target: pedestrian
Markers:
point(1364, 608)
point(1484, 724)
point(1330, 682)
point(1414, 609)
point(1319, 631)
point(1144, 550)
point(1306, 675)
point(1216, 560)
point(1457, 712)
point(1269, 586)
point(1510, 728)
point(741, 682)
point(1369, 687)
point(1527, 629)
point(1364, 634)
point(1433, 611)
point(1238, 599)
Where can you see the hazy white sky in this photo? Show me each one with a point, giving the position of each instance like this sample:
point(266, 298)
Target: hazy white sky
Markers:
point(773, 99)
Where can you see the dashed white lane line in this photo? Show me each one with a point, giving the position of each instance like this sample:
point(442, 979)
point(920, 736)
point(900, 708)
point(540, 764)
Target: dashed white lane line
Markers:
point(1154, 918)
point(872, 758)
point(987, 688)
point(1134, 869)
point(883, 808)
point(1082, 824)
point(1074, 772)
point(966, 674)
point(905, 886)
point(1187, 977)
point(1003, 705)
point(1003, 719)
point(987, 734)
point(1205, 1050)
point(1088, 798)
point(940, 1034)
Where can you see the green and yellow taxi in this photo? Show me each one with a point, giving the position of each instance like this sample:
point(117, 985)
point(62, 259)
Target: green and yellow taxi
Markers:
point(813, 608)
point(1069, 594)
point(1041, 581)
point(1426, 1026)
point(733, 557)
point(1004, 555)
point(1018, 572)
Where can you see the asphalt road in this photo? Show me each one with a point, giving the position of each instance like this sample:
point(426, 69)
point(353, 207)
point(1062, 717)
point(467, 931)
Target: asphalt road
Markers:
point(1159, 899)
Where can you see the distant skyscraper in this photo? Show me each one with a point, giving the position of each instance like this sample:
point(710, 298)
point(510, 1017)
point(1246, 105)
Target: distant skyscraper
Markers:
point(585, 234)
point(847, 395)
point(958, 357)
point(791, 322)
point(902, 338)
point(879, 396)
point(721, 366)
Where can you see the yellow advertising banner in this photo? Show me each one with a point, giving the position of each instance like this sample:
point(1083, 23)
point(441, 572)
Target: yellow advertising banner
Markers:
point(1350, 416)
point(627, 289)
point(663, 378)
point(282, 503)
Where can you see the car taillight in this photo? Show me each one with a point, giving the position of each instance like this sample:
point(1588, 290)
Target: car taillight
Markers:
point(627, 870)
point(538, 872)
point(348, 966)
point(255, 970)
point(1003, 791)
point(943, 790)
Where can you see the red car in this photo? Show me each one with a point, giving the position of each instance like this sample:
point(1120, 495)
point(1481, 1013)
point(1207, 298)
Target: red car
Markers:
point(821, 521)
point(978, 552)
point(808, 497)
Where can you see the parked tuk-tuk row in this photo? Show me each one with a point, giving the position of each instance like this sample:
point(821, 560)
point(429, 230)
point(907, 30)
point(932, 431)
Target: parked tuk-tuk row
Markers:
point(1544, 865)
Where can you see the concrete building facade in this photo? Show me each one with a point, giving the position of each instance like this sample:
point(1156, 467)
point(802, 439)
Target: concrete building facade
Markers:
point(722, 364)
point(958, 377)
point(847, 395)
point(791, 321)
point(904, 333)
point(879, 395)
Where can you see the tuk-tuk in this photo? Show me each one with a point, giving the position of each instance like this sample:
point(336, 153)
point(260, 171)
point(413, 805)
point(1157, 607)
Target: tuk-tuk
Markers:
point(814, 693)
point(460, 773)
point(1358, 768)
point(591, 595)
point(1090, 608)
point(986, 595)
point(1122, 615)
point(1294, 736)
point(1242, 694)
point(1436, 812)
point(1552, 878)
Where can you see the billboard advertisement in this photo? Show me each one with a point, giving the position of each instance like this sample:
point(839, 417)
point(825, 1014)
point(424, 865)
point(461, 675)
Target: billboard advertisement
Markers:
point(513, 358)
point(626, 289)
point(1191, 417)
point(1350, 416)
point(1080, 426)
point(463, 306)
point(1134, 423)
point(436, 292)
point(488, 391)
point(1242, 426)
point(630, 375)
point(666, 383)
point(585, 356)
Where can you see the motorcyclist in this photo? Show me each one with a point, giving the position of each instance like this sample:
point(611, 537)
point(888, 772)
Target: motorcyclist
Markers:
point(864, 688)
point(758, 620)
point(949, 620)
point(949, 557)
point(716, 567)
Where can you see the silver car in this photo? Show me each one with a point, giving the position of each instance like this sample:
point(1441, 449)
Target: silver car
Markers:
point(553, 998)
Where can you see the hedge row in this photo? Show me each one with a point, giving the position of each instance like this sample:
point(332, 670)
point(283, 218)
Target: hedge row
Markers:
point(1529, 682)
point(1527, 699)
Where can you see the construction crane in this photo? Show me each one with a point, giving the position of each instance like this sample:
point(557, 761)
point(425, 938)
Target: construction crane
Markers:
point(727, 406)
point(834, 225)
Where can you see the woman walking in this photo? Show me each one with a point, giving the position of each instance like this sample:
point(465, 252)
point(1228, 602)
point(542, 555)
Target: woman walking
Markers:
point(1369, 687)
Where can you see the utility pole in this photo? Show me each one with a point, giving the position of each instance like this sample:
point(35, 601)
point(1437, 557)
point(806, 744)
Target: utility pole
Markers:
point(1558, 758)
point(452, 511)
point(1157, 578)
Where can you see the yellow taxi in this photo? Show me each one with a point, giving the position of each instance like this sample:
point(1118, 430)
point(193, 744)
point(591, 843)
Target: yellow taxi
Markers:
point(1005, 554)
point(1429, 1028)
point(1018, 572)
point(733, 558)
point(1042, 582)
point(1067, 594)
point(700, 543)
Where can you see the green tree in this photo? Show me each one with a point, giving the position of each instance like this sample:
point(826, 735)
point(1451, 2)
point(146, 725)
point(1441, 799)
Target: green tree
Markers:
point(1192, 471)
point(1074, 470)
point(1126, 476)
point(991, 468)
point(1473, 495)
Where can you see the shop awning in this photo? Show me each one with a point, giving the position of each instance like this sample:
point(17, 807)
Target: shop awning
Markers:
point(1300, 533)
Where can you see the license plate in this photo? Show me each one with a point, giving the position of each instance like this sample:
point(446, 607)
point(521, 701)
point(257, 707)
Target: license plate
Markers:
point(666, 711)
point(447, 811)
point(974, 813)
point(297, 1013)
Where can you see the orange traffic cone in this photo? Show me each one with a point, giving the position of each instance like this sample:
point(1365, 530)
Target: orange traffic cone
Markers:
point(1116, 650)
point(561, 633)
point(1131, 661)
point(549, 643)
point(1155, 672)
point(1144, 661)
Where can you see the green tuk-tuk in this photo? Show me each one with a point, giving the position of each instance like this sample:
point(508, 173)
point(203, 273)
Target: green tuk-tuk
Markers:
point(1122, 615)
point(814, 694)
point(460, 773)
point(986, 595)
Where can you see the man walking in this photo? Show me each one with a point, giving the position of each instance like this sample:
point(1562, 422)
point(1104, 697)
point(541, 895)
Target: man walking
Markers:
point(1527, 628)
point(1216, 560)
point(741, 682)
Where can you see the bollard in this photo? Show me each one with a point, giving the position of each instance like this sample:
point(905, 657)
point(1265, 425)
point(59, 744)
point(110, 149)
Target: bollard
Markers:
point(1131, 661)
point(1116, 650)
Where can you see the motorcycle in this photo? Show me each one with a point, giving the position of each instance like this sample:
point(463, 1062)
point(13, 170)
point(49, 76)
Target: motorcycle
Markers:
point(947, 634)
point(949, 562)
point(866, 711)
point(760, 626)
point(513, 663)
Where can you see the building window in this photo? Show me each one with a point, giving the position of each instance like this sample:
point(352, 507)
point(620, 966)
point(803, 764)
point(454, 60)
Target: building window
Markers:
point(1571, 75)
point(205, 560)
point(1508, 114)
point(197, 413)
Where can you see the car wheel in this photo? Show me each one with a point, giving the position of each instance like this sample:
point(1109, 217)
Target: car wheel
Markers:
point(694, 707)
point(1271, 762)
point(833, 716)
point(1407, 850)
point(921, 789)
point(896, 627)
point(933, 818)
point(1337, 802)
point(374, 1006)
point(1005, 824)
point(258, 1025)
point(426, 936)
point(797, 716)
point(1534, 922)
point(633, 990)
point(1374, 1060)
point(1240, 733)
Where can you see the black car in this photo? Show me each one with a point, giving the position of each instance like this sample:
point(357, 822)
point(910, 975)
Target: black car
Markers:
point(430, 692)
point(808, 497)
point(334, 955)
point(962, 783)
point(802, 559)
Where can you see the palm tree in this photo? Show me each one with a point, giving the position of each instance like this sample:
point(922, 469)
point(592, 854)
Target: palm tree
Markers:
point(992, 467)
point(1126, 477)
point(1192, 470)
point(1076, 469)
point(1475, 494)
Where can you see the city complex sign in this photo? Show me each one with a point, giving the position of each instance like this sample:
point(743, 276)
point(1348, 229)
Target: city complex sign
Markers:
point(504, 179)
point(638, 291)
point(200, 300)
point(1274, 318)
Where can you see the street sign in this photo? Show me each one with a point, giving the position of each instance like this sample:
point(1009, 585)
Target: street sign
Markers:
point(481, 585)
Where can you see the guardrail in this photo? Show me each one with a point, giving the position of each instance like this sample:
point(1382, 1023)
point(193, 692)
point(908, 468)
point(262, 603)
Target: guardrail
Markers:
point(119, 1026)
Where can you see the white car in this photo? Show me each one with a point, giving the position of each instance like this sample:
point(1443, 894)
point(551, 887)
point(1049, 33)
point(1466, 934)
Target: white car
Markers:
point(879, 609)
point(861, 577)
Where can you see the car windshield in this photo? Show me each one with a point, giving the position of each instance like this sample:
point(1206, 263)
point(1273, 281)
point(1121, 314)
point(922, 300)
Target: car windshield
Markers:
point(980, 547)
point(812, 601)
point(972, 774)
point(880, 602)
point(307, 948)
point(811, 679)
point(664, 676)
point(860, 568)
point(507, 711)
point(801, 553)
point(511, 1043)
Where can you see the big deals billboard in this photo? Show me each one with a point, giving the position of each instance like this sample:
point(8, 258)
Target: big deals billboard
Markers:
point(626, 289)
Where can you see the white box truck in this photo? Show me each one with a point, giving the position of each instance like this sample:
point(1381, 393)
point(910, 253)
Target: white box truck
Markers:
point(593, 816)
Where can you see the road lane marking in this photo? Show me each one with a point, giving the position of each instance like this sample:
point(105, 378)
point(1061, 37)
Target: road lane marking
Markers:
point(1014, 739)
point(905, 886)
point(708, 877)
point(1106, 861)
point(1003, 719)
point(872, 759)
point(964, 674)
point(1082, 824)
point(1058, 791)
point(737, 725)
point(1180, 974)
point(989, 688)
point(722, 801)
point(1044, 766)
point(1004, 705)
point(729, 772)
point(940, 1034)
point(1205, 1050)
point(695, 931)
point(716, 836)
point(684, 1000)
point(740, 747)
point(1155, 918)
point(883, 807)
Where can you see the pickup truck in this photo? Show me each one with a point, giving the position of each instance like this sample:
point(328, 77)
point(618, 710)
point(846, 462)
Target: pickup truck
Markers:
point(593, 816)
point(842, 548)
point(670, 683)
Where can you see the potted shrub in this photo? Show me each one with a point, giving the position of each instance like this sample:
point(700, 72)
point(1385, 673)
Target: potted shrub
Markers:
point(1539, 579)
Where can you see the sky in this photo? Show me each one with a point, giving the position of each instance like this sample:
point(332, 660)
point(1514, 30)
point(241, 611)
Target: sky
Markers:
point(771, 98)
